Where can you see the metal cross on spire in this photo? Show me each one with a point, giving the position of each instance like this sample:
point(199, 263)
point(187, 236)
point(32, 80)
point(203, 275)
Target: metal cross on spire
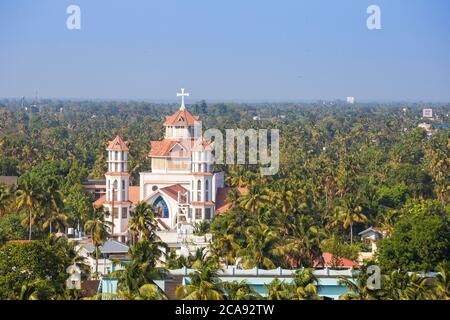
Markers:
point(182, 95)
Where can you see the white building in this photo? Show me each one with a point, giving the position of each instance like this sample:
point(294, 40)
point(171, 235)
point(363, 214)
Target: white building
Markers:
point(427, 113)
point(182, 186)
point(350, 100)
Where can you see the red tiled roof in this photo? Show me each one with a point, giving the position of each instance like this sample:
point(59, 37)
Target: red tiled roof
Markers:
point(328, 262)
point(181, 118)
point(100, 201)
point(163, 148)
point(133, 194)
point(117, 144)
point(172, 191)
point(222, 204)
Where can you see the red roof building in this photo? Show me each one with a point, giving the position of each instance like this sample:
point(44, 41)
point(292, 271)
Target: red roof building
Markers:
point(329, 261)
point(117, 144)
point(181, 118)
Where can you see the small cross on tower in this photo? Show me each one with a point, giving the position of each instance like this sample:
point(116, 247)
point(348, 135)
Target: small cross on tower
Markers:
point(182, 95)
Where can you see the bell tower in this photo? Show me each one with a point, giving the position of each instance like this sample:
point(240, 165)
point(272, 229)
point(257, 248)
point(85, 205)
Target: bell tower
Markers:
point(117, 188)
point(202, 183)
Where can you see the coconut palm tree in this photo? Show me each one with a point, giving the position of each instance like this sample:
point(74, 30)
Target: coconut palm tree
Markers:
point(199, 259)
point(261, 250)
point(99, 230)
point(235, 290)
point(150, 292)
point(142, 222)
point(350, 213)
point(28, 197)
point(255, 198)
point(416, 288)
point(56, 218)
point(284, 198)
point(277, 290)
point(145, 256)
point(229, 230)
point(403, 286)
point(302, 244)
point(5, 198)
point(204, 284)
point(442, 282)
point(358, 289)
point(53, 205)
point(304, 286)
point(37, 290)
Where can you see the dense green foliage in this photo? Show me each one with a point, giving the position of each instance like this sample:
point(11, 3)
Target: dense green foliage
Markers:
point(343, 168)
point(420, 240)
point(35, 270)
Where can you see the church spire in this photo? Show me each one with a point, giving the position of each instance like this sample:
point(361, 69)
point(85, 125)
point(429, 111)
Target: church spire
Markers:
point(182, 95)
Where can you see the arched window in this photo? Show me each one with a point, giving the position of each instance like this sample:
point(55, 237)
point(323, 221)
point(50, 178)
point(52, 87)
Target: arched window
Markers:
point(123, 190)
point(199, 190)
point(206, 190)
point(161, 208)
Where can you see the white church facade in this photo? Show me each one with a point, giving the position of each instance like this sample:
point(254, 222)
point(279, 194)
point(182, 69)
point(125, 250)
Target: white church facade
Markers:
point(182, 186)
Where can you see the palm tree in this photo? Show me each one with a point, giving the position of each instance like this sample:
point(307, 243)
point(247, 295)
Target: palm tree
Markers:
point(229, 229)
point(277, 290)
point(403, 286)
point(57, 218)
point(302, 244)
point(145, 256)
point(99, 230)
point(350, 213)
point(387, 221)
point(142, 221)
point(304, 286)
point(5, 198)
point(235, 290)
point(71, 251)
point(261, 250)
point(204, 284)
point(284, 198)
point(233, 197)
point(200, 258)
point(53, 205)
point(28, 197)
point(37, 290)
point(255, 198)
point(357, 286)
point(416, 288)
point(442, 285)
point(150, 292)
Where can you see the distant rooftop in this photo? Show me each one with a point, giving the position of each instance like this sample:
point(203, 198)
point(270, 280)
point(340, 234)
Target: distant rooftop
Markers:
point(8, 180)
point(110, 246)
point(94, 182)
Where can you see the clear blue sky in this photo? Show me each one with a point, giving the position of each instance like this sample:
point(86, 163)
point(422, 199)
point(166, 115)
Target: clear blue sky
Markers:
point(226, 50)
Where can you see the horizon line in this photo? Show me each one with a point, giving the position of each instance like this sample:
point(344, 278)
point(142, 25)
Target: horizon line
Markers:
point(231, 100)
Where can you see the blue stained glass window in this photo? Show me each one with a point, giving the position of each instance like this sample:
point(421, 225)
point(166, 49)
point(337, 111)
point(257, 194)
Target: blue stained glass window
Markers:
point(161, 206)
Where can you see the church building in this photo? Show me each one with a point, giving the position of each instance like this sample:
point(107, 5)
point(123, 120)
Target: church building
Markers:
point(182, 186)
